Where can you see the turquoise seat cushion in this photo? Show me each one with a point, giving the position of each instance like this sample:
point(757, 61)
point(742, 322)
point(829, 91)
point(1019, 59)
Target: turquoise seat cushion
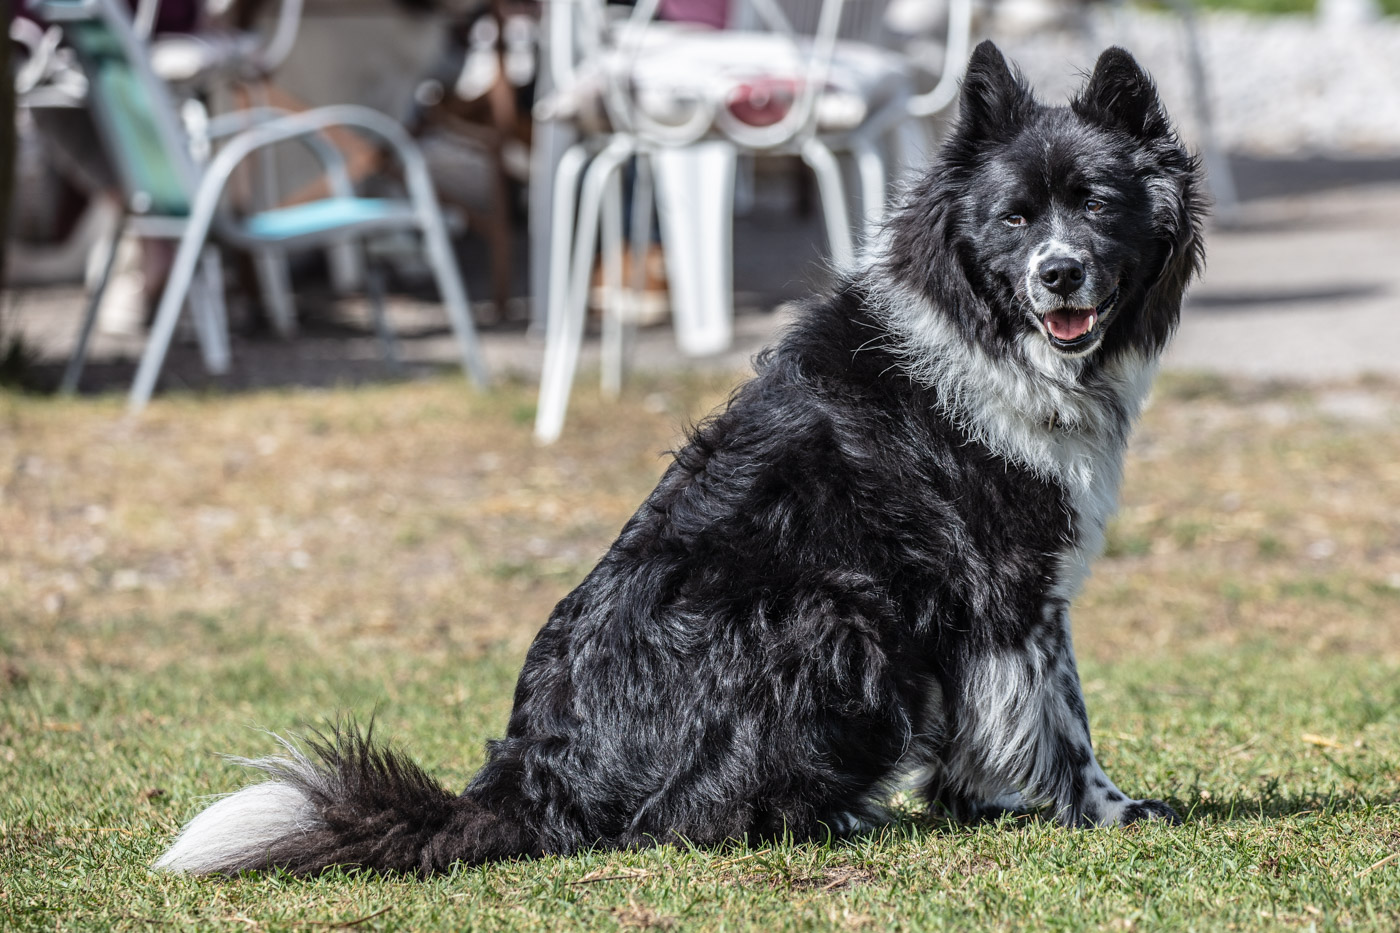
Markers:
point(325, 216)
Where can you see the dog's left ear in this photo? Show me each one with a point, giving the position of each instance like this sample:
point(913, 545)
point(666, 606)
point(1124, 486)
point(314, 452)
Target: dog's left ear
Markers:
point(1121, 95)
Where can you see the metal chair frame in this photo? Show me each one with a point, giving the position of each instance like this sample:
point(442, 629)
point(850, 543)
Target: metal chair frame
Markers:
point(206, 186)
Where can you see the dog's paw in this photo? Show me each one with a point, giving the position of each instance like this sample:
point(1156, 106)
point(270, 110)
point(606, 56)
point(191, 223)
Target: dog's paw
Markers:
point(1138, 810)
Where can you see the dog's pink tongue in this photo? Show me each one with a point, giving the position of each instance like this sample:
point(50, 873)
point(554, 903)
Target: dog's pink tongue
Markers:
point(1070, 323)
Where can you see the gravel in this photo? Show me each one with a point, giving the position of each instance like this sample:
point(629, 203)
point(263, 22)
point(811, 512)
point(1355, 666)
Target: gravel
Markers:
point(1278, 85)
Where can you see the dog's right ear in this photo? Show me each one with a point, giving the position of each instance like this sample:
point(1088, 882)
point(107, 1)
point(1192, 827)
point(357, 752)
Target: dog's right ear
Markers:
point(995, 101)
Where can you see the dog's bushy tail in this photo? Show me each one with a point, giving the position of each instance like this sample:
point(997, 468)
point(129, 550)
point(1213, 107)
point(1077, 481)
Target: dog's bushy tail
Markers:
point(342, 801)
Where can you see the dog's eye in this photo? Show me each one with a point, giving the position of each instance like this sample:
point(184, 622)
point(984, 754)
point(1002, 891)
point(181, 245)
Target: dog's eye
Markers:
point(1094, 205)
point(1014, 220)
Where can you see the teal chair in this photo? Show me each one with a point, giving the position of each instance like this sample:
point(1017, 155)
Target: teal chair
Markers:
point(168, 195)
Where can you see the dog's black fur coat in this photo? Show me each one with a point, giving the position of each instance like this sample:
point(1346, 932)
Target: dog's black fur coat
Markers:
point(844, 574)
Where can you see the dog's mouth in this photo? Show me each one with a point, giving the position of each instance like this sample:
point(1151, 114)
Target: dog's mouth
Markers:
point(1073, 329)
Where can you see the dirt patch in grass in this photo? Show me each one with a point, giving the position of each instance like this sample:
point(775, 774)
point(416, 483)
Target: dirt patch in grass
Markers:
point(422, 518)
point(633, 917)
point(1252, 513)
point(835, 879)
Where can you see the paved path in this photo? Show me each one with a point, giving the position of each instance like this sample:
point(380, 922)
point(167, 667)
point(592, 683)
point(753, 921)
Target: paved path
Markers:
point(1307, 286)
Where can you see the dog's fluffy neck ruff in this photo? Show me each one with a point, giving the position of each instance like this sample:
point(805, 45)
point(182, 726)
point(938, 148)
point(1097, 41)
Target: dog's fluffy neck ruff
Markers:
point(1043, 411)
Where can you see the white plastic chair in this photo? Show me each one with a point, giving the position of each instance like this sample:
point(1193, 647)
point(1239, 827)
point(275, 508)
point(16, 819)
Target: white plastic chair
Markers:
point(615, 62)
point(851, 99)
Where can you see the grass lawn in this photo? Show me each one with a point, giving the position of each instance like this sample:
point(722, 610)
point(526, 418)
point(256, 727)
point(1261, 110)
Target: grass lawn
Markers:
point(170, 587)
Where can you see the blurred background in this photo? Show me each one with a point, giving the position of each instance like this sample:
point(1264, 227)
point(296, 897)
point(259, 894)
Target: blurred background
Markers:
point(339, 338)
point(714, 115)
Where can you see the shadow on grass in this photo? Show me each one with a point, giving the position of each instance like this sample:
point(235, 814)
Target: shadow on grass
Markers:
point(328, 355)
point(1266, 805)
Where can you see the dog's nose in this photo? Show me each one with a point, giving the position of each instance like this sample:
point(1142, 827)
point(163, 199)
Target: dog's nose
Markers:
point(1062, 275)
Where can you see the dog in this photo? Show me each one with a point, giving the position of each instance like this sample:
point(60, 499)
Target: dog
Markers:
point(858, 573)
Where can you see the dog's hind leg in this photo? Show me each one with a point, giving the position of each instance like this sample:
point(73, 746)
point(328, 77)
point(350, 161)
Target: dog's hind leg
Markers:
point(1020, 721)
point(944, 801)
point(958, 797)
point(946, 798)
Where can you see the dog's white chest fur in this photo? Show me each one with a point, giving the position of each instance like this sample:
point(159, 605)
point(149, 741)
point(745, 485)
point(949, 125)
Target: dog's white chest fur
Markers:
point(1087, 438)
point(1034, 411)
point(1031, 407)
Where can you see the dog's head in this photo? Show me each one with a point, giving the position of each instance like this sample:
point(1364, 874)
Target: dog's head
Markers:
point(1077, 226)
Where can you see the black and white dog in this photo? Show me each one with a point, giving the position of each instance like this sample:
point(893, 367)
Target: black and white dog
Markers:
point(858, 572)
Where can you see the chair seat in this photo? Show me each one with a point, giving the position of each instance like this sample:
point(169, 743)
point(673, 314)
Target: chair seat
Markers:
point(327, 215)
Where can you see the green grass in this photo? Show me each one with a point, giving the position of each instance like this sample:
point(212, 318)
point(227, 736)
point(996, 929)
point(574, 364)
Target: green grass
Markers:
point(1271, 7)
point(169, 588)
point(1268, 7)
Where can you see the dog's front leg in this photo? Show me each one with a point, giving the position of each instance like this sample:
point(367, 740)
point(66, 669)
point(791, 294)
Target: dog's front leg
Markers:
point(1022, 723)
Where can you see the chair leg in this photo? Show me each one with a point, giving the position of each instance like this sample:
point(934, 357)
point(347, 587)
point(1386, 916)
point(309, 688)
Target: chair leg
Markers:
point(78, 359)
point(206, 304)
point(643, 205)
point(388, 346)
point(443, 261)
point(275, 283)
point(838, 227)
point(453, 293)
point(347, 267)
point(561, 230)
point(214, 275)
point(613, 299)
point(172, 300)
point(695, 198)
point(549, 409)
point(871, 165)
point(550, 139)
point(564, 327)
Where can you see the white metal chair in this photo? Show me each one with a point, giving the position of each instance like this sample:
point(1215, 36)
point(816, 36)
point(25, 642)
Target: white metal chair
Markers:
point(168, 195)
point(199, 68)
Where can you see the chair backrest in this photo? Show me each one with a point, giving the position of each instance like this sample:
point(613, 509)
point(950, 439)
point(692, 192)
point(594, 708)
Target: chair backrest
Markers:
point(862, 20)
point(814, 27)
point(132, 108)
point(866, 21)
